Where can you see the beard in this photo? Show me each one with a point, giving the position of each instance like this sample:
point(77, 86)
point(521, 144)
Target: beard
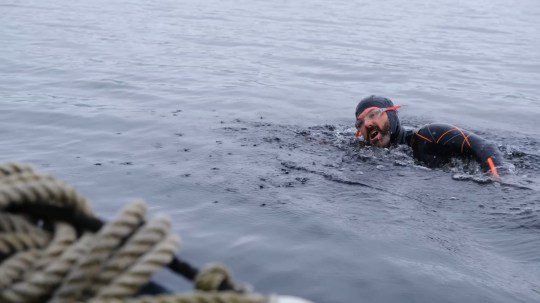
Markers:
point(379, 137)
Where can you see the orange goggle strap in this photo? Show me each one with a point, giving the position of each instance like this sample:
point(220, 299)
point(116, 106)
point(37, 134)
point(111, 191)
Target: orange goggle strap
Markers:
point(392, 108)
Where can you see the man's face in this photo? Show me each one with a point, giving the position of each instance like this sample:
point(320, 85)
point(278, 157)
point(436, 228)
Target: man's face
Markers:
point(374, 127)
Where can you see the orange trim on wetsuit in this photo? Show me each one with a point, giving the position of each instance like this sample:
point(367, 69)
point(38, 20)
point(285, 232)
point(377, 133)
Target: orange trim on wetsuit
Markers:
point(424, 138)
point(465, 139)
point(445, 134)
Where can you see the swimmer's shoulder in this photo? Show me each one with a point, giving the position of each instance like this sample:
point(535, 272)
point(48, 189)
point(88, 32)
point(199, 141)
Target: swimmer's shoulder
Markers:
point(437, 127)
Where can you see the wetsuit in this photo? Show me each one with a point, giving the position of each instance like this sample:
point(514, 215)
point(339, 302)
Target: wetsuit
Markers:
point(435, 144)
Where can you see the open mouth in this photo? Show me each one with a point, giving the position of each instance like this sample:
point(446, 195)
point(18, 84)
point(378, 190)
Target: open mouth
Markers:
point(373, 133)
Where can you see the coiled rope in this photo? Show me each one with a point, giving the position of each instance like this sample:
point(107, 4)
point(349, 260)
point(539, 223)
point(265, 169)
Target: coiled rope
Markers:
point(53, 248)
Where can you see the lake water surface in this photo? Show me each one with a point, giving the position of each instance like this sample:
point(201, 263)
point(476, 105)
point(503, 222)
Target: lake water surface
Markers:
point(235, 118)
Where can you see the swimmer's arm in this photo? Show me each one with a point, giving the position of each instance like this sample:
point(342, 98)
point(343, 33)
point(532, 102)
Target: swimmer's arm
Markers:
point(487, 154)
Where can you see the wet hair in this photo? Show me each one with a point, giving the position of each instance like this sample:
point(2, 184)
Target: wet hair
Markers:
point(396, 132)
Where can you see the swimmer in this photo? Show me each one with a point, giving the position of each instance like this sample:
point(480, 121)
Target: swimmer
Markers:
point(433, 144)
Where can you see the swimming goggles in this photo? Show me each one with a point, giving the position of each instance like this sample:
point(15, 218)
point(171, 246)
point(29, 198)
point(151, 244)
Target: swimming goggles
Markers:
point(372, 115)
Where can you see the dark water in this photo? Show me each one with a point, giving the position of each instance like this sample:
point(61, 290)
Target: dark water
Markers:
point(235, 119)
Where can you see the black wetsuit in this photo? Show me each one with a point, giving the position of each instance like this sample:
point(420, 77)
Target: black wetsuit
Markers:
point(435, 144)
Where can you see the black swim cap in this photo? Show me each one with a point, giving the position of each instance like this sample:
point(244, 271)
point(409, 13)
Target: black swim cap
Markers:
point(396, 131)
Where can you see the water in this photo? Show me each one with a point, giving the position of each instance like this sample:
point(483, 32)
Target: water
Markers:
point(234, 118)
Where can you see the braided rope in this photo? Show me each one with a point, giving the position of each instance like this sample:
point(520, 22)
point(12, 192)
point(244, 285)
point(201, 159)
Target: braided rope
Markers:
point(106, 241)
point(25, 177)
point(64, 237)
point(18, 234)
point(211, 277)
point(145, 238)
point(18, 223)
point(13, 269)
point(19, 241)
point(7, 169)
point(139, 274)
point(44, 282)
point(29, 189)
